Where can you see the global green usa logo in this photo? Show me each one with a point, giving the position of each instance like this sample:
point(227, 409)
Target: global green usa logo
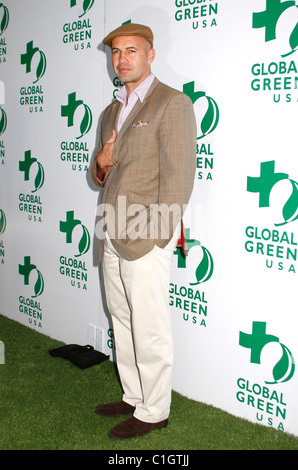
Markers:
point(32, 276)
point(257, 341)
point(79, 33)
point(34, 174)
point(278, 197)
point(25, 167)
point(268, 180)
point(279, 18)
point(70, 110)
point(69, 226)
point(4, 18)
point(190, 300)
point(27, 60)
point(75, 268)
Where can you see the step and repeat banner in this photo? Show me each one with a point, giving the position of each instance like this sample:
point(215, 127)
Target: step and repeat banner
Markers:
point(233, 298)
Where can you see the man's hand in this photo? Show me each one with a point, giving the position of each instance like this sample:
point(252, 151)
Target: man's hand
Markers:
point(104, 159)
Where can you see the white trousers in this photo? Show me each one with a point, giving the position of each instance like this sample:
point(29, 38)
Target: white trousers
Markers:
point(137, 294)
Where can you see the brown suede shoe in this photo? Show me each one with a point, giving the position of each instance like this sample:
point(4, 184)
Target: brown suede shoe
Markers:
point(133, 427)
point(119, 408)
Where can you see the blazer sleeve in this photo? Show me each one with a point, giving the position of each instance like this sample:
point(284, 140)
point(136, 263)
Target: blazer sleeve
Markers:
point(99, 147)
point(93, 170)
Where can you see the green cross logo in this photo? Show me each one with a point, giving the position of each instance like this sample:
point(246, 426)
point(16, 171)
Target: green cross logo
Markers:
point(26, 59)
point(5, 18)
point(87, 5)
point(205, 269)
point(25, 167)
point(268, 19)
point(210, 119)
point(26, 270)
point(2, 221)
point(284, 370)
point(264, 184)
point(69, 110)
point(68, 227)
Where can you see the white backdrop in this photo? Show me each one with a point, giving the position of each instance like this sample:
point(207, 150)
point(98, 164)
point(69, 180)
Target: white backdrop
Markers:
point(233, 299)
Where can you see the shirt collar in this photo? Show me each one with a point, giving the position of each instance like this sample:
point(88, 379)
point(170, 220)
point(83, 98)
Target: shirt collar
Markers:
point(140, 91)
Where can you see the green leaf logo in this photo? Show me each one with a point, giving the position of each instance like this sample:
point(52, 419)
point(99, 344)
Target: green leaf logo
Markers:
point(41, 68)
point(86, 122)
point(2, 222)
point(291, 206)
point(84, 243)
point(205, 269)
point(294, 39)
point(210, 120)
point(285, 368)
point(39, 285)
point(3, 121)
point(39, 179)
point(5, 19)
point(87, 5)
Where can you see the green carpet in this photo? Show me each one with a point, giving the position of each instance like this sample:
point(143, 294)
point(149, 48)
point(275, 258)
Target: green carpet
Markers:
point(48, 404)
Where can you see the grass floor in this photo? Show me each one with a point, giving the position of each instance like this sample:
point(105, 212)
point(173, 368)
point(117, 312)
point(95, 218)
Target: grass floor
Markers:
point(48, 404)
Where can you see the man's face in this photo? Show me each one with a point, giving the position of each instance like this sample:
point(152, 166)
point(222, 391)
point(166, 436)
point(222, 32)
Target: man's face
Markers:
point(132, 57)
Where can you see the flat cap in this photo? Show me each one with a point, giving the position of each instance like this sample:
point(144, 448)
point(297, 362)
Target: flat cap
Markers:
point(130, 29)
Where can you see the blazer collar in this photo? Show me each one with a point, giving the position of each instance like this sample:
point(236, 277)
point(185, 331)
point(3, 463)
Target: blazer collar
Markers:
point(136, 109)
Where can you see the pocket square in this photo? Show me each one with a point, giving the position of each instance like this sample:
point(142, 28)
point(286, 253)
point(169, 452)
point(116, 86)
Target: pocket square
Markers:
point(139, 124)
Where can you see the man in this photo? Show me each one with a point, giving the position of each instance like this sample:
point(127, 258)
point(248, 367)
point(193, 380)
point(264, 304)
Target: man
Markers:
point(146, 167)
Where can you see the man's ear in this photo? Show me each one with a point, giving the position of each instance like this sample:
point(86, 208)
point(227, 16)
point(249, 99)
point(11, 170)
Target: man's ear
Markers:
point(151, 55)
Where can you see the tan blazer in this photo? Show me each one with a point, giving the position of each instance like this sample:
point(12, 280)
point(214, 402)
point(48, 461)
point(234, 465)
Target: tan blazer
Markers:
point(155, 155)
